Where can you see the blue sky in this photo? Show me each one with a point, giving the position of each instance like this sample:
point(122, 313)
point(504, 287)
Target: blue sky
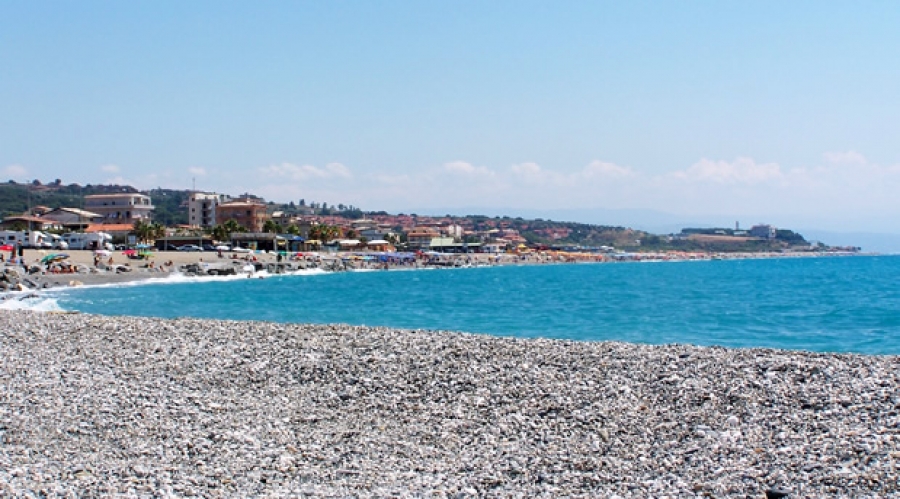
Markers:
point(610, 112)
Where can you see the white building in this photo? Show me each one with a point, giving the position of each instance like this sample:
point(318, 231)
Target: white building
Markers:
point(763, 231)
point(202, 208)
point(120, 208)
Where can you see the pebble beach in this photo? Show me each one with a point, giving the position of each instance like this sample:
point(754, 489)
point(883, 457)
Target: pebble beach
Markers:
point(95, 406)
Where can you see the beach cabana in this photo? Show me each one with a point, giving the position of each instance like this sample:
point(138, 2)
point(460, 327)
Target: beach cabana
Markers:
point(346, 244)
point(380, 245)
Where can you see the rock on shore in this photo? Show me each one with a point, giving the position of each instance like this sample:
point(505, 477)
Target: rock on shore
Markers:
point(98, 406)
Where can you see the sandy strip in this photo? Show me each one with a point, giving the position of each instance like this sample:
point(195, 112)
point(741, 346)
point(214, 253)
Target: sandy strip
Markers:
point(100, 406)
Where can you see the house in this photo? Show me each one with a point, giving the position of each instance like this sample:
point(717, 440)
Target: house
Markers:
point(120, 208)
point(28, 222)
point(74, 219)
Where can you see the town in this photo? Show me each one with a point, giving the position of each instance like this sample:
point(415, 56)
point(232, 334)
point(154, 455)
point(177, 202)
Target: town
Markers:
point(122, 217)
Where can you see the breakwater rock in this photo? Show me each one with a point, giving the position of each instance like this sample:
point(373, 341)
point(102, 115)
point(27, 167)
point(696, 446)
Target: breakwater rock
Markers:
point(97, 406)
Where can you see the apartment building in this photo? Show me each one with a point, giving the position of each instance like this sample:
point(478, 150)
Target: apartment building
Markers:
point(202, 208)
point(248, 212)
point(120, 208)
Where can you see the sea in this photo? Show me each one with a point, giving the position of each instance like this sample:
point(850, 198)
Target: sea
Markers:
point(823, 304)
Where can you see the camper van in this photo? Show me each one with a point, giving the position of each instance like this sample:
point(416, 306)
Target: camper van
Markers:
point(88, 240)
point(26, 239)
point(56, 242)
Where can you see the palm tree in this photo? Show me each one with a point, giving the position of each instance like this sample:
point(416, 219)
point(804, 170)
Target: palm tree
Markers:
point(158, 230)
point(332, 232)
point(272, 227)
point(324, 232)
point(220, 233)
point(143, 231)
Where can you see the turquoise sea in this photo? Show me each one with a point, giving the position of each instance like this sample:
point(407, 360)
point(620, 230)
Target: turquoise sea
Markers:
point(834, 304)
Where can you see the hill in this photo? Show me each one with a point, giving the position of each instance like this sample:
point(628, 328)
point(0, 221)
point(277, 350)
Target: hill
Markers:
point(171, 209)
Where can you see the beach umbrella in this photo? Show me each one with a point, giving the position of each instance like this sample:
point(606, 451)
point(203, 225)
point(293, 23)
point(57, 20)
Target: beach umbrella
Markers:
point(54, 257)
point(6, 247)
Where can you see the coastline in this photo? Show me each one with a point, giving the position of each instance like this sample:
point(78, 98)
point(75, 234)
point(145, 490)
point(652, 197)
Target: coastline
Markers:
point(36, 276)
point(132, 406)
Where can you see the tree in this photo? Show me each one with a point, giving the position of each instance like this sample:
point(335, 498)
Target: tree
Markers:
point(272, 226)
point(231, 225)
point(222, 232)
point(324, 232)
point(143, 231)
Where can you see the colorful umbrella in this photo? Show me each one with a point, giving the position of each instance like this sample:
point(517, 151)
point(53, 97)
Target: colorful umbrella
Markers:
point(54, 257)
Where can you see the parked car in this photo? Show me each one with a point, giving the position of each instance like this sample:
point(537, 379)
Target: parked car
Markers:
point(209, 247)
point(238, 249)
point(190, 247)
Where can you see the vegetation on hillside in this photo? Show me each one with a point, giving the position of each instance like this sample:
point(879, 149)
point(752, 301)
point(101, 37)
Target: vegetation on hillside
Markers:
point(170, 209)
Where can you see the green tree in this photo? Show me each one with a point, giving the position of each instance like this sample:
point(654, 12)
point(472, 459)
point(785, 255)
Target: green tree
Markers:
point(272, 226)
point(143, 231)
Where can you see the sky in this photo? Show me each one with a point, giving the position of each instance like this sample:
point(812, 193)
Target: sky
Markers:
point(623, 113)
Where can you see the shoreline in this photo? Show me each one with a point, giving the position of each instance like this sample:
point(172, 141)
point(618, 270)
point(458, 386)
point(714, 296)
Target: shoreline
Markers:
point(117, 268)
point(133, 406)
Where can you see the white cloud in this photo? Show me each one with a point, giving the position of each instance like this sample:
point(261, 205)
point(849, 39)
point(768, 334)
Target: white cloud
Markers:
point(306, 172)
point(197, 170)
point(466, 169)
point(739, 171)
point(15, 172)
point(843, 189)
point(110, 168)
point(603, 169)
point(849, 157)
point(532, 173)
point(119, 180)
